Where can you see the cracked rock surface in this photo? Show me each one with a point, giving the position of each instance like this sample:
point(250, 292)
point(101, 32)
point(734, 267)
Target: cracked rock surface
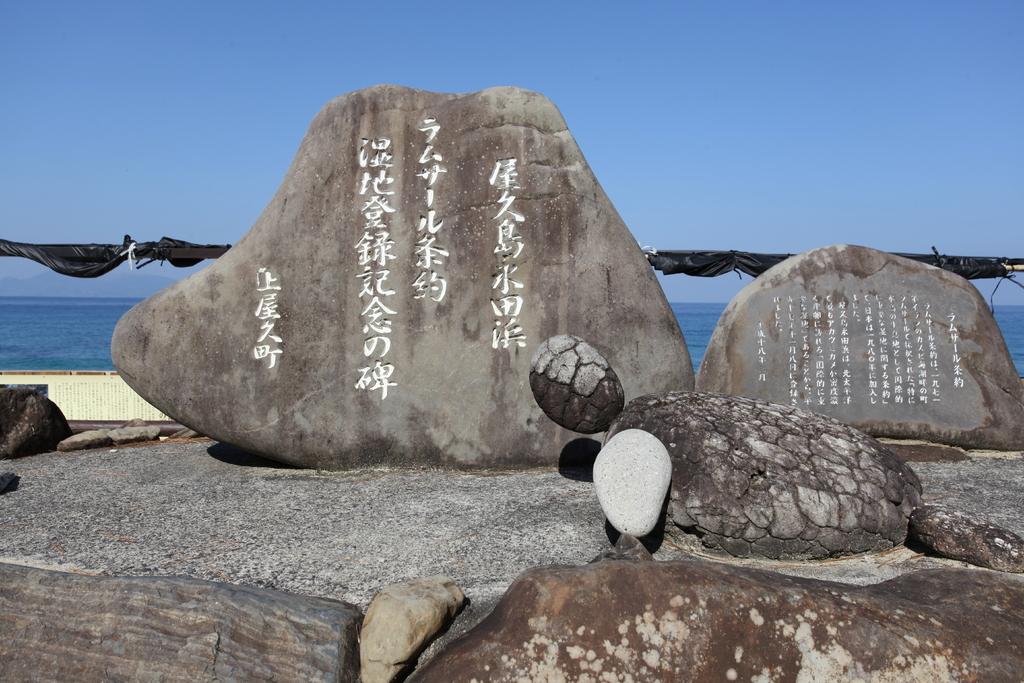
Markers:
point(752, 478)
point(959, 537)
point(574, 385)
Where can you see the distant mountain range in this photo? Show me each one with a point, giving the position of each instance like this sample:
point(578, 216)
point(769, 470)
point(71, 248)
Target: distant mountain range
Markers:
point(118, 283)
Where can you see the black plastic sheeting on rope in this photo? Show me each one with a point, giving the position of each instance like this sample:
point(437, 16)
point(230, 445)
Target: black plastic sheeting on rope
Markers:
point(715, 263)
point(93, 260)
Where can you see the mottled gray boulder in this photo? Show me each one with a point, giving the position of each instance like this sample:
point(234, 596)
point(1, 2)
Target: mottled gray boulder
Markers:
point(758, 479)
point(574, 385)
point(958, 537)
point(93, 438)
point(126, 435)
point(632, 474)
point(30, 423)
point(385, 306)
point(70, 627)
point(703, 621)
point(891, 346)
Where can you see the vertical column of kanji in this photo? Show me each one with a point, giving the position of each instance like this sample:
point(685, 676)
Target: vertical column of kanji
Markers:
point(794, 391)
point(871, 325)
point(954, 339)
point(430, 255)
point(844, 350)
point(833, 353)
point(805, 351)
point(921, 363)
point(374, 250)
point(908, 352)
point(935, 389)
point(884, 356)
point(268, 344)
point(506, 301)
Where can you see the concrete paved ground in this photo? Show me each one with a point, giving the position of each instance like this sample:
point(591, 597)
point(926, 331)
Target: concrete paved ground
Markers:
point(204, 510)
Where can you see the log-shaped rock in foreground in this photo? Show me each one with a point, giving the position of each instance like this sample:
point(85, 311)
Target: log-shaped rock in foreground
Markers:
point(959, 537)
point(891, 346)
point(704, 621)
point(66, 627)
point(387, 303)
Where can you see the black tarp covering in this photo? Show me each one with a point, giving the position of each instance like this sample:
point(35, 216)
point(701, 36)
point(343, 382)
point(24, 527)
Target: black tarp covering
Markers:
point(93, 260)
point(714, 263)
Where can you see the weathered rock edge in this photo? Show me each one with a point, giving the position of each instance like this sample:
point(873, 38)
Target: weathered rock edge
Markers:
point(58, 626)
point(955, 535)
point(703, 621)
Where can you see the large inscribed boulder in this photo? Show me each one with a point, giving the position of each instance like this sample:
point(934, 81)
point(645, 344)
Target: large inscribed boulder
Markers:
point(386, 305)
point(894, 347)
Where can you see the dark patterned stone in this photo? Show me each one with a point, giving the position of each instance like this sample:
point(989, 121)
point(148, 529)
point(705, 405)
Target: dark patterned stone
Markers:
point(752, 478)
point(30, 423)
point(574, 385)
point(958, 537)
point(458, 394)
point(705, 621)
point(891, 346)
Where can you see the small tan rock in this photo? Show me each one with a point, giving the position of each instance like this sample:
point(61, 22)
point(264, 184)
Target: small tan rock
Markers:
point(94, 438)
point(126, 435)
point(401, 621)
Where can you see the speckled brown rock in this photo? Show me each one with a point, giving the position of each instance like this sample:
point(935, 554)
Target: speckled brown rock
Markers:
point(454, 358)
point(752, 478)
point(958, 537)
point(704, 621)
point(574, 385)
point(30, 423)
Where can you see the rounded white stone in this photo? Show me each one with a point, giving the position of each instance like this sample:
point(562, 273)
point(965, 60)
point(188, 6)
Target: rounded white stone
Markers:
point(632, 474)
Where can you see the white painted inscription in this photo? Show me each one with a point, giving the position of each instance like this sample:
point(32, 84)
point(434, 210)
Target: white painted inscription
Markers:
point(430, 254)
point(268, 344)
point(375, 249)
point(895, 335)
point(506, 296)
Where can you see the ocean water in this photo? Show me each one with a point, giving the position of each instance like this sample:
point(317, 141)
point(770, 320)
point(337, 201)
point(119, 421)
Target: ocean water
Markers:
point(74, 333)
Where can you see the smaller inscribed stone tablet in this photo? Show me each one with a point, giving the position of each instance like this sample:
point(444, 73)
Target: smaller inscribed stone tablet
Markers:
point(892, 346)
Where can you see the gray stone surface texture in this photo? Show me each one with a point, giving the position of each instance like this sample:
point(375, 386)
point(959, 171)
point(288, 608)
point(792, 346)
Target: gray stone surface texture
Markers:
point(198, 510)
point(960, 537)
point(401, 621)
point(574, 385)
point(632, 474)
point(93, 438)
point(752, 478)
point(924, 357)
point(30, 423)
point(69, 627)
point(702, 621)
point(126, 435)
point(453, 399)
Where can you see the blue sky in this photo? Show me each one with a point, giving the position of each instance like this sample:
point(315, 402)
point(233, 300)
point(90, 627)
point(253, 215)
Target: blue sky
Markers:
point(757, 126)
